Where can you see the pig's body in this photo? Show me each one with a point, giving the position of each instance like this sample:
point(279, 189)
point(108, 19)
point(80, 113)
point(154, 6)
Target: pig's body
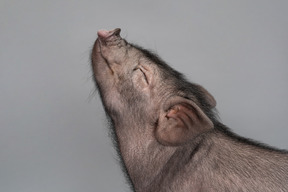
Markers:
point(166, 131)
point(218, 162)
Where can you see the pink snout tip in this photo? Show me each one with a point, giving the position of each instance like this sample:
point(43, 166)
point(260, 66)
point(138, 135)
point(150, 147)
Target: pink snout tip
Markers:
point(104, 34)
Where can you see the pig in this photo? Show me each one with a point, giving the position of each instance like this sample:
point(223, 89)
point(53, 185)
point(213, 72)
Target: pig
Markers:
point(166, 128)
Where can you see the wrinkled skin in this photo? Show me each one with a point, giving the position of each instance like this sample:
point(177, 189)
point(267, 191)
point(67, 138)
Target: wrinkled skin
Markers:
point(167, 134)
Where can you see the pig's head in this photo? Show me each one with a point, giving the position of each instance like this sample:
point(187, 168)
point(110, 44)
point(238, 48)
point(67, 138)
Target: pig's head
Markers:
point(141, 91)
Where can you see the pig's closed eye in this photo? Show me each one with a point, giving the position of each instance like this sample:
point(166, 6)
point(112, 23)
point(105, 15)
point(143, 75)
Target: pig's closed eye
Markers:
point(139, 77)
point(140, 72)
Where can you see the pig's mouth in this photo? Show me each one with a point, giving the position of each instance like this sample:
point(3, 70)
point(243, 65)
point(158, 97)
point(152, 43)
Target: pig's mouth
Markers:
point(106, 40)
point(100, 57)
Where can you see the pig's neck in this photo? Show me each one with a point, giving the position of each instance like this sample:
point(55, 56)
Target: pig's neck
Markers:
point(143, 157)
point(146, 159)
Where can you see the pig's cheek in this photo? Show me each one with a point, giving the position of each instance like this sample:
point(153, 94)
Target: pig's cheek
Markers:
point(101, 70)
point(112, 100)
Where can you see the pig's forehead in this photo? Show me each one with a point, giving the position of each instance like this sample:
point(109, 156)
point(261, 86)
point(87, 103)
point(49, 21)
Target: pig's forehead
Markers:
point(148, 54)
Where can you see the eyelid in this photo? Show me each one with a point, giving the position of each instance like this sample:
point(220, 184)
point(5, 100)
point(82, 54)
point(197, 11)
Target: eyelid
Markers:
point(142, 69)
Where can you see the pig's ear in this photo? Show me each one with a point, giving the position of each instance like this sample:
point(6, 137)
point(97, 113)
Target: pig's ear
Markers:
point(208, 97)
point(183, 121)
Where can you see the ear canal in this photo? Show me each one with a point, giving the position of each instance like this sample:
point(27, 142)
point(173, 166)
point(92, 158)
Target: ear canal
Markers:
point(182, 123)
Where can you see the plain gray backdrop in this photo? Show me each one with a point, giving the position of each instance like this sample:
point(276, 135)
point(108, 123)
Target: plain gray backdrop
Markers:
point(53, 133)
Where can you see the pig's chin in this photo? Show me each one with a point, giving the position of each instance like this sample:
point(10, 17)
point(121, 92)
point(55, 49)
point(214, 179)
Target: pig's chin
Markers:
point(97, 46)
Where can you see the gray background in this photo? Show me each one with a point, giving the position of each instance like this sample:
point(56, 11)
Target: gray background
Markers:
point(53, 133)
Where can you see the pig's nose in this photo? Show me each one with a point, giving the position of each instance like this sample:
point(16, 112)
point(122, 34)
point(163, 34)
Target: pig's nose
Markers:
point(106, 35)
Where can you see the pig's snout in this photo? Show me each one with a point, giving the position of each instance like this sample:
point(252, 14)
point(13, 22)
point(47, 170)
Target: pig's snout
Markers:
point(105, 35)
point(106, 53)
